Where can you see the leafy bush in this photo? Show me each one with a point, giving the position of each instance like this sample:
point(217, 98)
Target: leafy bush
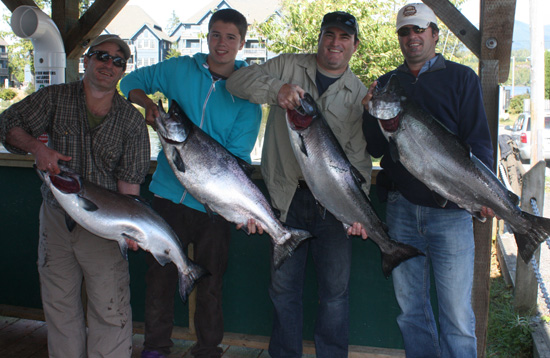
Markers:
point(7, 94)
point(516, 104)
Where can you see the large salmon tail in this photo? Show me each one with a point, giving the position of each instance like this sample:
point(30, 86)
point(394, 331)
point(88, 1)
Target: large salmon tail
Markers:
point(283, 251)
point(187, 281)
point(399, 252)
point(530, 240)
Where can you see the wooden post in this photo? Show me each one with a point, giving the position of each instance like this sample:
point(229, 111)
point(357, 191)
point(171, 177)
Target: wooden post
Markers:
point(526, 288)
point(489, 70)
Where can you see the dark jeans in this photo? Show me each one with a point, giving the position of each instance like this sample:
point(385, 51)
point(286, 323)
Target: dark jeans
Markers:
point(210, 237)
point(331, 251)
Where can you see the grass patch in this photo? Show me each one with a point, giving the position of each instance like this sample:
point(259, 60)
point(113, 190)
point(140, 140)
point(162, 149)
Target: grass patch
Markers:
point(509, 334)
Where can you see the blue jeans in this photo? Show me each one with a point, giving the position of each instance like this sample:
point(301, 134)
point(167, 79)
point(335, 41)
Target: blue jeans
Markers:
point(331, 251)
point(446, 237)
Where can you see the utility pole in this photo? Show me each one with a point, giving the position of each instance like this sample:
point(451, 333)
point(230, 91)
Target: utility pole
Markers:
point(537, 79)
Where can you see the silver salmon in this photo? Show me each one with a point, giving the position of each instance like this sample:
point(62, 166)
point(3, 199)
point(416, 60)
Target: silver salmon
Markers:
point(115, 216)
point(219, 180)
point(336, 183)
point(440, 160)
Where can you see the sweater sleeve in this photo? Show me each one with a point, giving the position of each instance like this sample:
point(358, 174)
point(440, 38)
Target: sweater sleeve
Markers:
point(258, 83)
point(473, 126)
point(245, 131)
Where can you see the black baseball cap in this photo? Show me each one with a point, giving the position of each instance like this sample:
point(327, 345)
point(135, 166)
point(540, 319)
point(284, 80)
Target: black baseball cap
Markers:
point(341, 20)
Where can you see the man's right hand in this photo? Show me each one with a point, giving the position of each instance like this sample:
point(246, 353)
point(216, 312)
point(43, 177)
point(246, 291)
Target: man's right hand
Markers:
point(289, 96)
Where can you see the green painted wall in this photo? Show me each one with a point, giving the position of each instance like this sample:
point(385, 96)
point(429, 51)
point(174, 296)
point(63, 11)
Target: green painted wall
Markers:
point(247, 307)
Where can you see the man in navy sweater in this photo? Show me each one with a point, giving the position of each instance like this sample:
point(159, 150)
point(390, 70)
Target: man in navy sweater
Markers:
point(452, 94)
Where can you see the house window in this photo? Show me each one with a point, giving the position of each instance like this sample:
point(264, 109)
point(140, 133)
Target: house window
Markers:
point(192, 44)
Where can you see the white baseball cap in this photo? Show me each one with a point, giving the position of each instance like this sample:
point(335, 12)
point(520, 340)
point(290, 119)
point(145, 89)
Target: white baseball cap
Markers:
point(417, 14)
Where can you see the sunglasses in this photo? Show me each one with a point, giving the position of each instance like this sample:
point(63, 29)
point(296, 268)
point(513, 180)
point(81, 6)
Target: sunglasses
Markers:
point(405, 31)
point(103, 56)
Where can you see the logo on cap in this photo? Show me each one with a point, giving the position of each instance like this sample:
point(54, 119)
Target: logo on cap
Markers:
point(409, 11)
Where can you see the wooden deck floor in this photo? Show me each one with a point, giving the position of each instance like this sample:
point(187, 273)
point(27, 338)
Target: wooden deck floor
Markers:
point(23, 335)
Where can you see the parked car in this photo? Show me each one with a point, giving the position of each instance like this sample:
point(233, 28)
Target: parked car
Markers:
point(521, 134)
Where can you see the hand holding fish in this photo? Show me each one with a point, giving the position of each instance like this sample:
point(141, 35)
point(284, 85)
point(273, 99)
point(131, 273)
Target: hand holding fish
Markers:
point(47, 159)
point(139, 96)
point(132, 245)
point(289, 96)
point(368, 96)
point(488, 213)
point(357, 230)
point(253, 227)
point(151, 112)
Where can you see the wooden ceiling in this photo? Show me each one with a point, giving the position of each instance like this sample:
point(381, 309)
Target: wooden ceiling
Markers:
point(492, 41)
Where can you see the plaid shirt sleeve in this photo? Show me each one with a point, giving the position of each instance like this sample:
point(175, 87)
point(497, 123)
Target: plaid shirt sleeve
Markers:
point(136, 155)
point(30, 114)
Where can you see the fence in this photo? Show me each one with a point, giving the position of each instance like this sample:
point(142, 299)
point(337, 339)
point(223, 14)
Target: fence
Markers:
point(525, 278)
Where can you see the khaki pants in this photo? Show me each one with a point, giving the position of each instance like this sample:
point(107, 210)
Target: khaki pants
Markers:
point(64, 259)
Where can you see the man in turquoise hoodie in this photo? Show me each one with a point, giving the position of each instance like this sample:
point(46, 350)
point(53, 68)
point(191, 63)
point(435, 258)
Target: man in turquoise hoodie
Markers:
point(198, 85)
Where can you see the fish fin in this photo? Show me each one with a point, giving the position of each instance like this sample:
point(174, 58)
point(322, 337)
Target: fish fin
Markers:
point(247, 168)
point(87, 204)
point(322, 210)
point(178, 161)
point(139, 199)
point(187, 281)
point(303, 148)
point(529, 240)
point(357, 176)
point(441, 201)
point(209, 211)
point(513, 197)
point(398, 252)
point(162, 259)
point(69, 222)
point(123, 248)
point(394, 152)
point(283, 251)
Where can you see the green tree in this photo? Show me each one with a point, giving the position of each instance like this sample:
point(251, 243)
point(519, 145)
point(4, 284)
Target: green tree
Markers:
point(173, 53)
point(297, 31)
point(173, 23)
point(547, 74)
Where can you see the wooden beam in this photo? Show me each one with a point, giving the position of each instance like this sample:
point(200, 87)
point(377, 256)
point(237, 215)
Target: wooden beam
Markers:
point(14, 4)
point(90, 25)
point(488, 73)
point(65, 14)
point(457, 23)
point(497, 27)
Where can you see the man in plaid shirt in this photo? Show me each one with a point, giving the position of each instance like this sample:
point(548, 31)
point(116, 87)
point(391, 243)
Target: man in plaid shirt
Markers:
point(98, 134)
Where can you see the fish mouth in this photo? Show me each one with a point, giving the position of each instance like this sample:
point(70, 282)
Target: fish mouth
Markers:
point(387, 102)
point(302, 117)
point(68, 183)
point(298, 121)
point(390, 125)
point(171, 130)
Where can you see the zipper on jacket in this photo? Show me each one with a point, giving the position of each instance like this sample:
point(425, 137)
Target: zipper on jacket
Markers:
point(212, 89)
